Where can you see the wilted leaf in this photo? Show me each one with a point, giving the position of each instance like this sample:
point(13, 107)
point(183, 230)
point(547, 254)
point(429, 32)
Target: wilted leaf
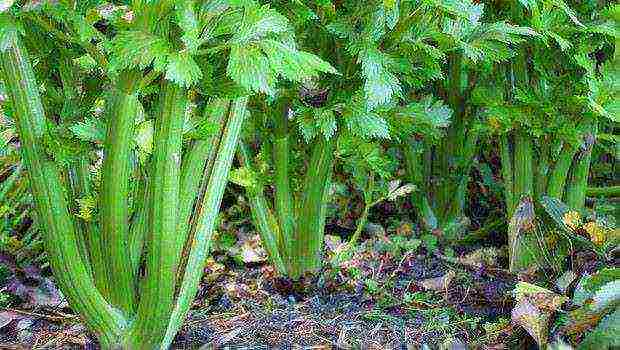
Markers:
point(563, 282)
point(480, 257)
point(589, 286)
point(533, 310)
point(439, 284)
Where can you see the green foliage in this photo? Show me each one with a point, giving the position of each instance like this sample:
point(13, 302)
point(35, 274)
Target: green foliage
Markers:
point(127, 117)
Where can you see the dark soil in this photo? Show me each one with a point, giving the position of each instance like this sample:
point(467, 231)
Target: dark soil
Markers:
point(241, 307)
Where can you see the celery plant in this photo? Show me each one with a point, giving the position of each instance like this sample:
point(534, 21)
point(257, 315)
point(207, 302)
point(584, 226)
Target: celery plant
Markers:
point(546, 147)
point(324, 117)
point(291, 230)
point(431, 57)
point(129, 255)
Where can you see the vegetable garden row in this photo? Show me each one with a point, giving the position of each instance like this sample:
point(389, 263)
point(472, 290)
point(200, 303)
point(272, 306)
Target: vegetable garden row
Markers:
point(126, 121)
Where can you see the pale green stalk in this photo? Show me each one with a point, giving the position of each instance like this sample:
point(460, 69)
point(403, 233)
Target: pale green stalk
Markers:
point(576, 188)
point(559, 174)
point(72, 275)
point(114, 210)
point(266, 223)
point(308, 237)
point(283, 195)
point(161, 259)
point(205, 214)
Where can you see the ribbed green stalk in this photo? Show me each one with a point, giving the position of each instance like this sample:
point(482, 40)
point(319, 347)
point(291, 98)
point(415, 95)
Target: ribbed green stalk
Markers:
point(266, 223)
point(116, 172)
point(507, 175)
point(200, 155)
point(559, 174)
point(205, 214)
point(520, 248)
point(79, 179)
point(158, 288)
point(413, 155)
point(283, 195)
point(361, 222)
point(139, 226)
point(451, 150)
point(608, 192)
point(308, 237)
point(542, 169)
point(576, 189)
point(50, 198)
point(523, 166)
point(467, 154)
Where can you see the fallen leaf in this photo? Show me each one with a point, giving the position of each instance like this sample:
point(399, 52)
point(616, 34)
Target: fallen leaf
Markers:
point(252, 254)
point(6, 317)
point(440, 283)
point(332, 242)
point(533, 310)
point(36, 290)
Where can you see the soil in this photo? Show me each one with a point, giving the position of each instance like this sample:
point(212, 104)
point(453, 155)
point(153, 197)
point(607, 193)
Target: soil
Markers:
point(240, 307)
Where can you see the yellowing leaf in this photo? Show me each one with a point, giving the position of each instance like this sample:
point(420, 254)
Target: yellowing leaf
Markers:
point(572, 219)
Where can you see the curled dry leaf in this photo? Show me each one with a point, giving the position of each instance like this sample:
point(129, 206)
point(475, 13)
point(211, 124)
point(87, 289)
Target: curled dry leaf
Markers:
point(533, 310)
point(401, 191)
point(439, 284)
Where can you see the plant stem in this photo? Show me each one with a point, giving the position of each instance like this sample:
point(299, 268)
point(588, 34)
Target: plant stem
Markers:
point(557, 179)
point(201, 155)
point(308, 237)
point(507, 175)
point(122, 107)
point(523, 166)
point(361, 222)
point(214, 179)
point(576, 188)
point(139, 225)
point(542, 170)
point(157, 297)
point(50, 198)
point(266, 223)
point(413, 152)
point(608, 192)
point(283, 195)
